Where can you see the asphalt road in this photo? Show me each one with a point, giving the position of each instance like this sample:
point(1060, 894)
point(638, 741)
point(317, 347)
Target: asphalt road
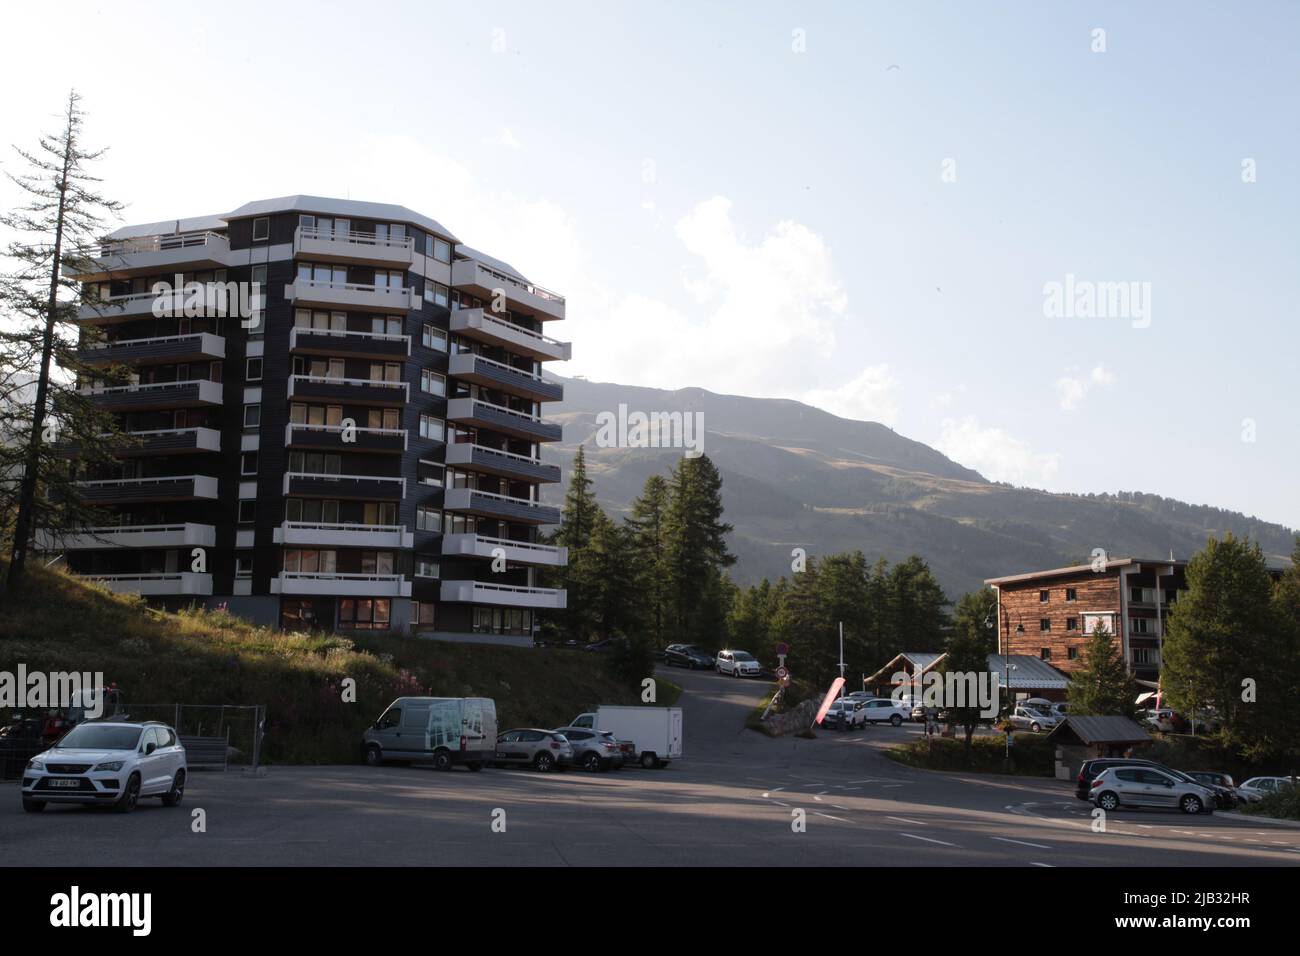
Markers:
point(729, 801)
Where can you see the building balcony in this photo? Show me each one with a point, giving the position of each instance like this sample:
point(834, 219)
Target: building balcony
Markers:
point(498, 418)
point(170, 488)
point(516, 552)
point(118, 308)
point(489, 504)
point(350, 391)
point(185, 535)
point(365, 487)
point(160, 350)
point(489, 373)
point(152, 397)
point(503, 464)
point(340, 585)
point(483, 281)
point(345, 344)
point(149, 255)
point(363, 248)
point(332, 438)
point(172, 441)
point(163, 583)
point(350, 295)
point(482, 326)
point(316, 534)
point(505, 595)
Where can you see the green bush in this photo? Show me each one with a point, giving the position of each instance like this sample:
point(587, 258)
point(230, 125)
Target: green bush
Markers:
point(1283, 805)
point(1031, 755)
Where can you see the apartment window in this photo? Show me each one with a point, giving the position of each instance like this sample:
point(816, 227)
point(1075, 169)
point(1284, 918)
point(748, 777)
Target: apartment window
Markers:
point(1044, 596)
point(243, 565)
point(385, 326)
point(380, 513)
point(320, 321)
point(365, 614)
point(261, 229)
point(422, 613)
point(1072, 594)
point(1142, 595)
point(426, 566)
point(320, 273)
point(248, 463)
point(310, 560)
point(433, 383)
point(247, 510)
point(253, 370)
point(437, 248)
point(315, 463)
point(376, 562)
point(496, 620)
point(1045, 654)
point(430, 473)
point(252, 416)
point(434, 338)
point(389, 418)
point(1145, 655)
point(1045, 624)
point(1071, 623)
point(437, 293)
point(312, 510)
point(385, 371)
point(428, 519)
point(1071, 653)
point(460, 524)
point(433, 428)
point(393, 279)
point(1141, 625)
point(301, 414)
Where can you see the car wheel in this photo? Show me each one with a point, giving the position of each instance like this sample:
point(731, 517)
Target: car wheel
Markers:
point(1107, 801)
point(896, 721)
point(173, 797)
point(33, 806)
point(544, 762)
point(475, 767)
point(591, 761)
point(130, 796)
point(442, 760)
point(649, 760)
point(374, 756)
point(1190, 803)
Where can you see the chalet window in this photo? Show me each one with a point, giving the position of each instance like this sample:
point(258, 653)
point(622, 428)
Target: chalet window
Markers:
point(1071, 653)
point(1045, 624)
point(1071, 594)
point(1071, 623)
point(1045, 654)
point(1044, 596)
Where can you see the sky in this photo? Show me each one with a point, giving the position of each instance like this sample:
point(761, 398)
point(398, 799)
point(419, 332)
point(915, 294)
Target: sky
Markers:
point(867, 207)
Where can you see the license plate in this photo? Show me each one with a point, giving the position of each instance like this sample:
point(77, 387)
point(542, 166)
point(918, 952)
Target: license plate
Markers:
point(72, 784)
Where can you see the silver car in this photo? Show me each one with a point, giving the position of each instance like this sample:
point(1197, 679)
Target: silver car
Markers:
point(593, 749)
point(1027, 718)
point(1117, 787)
point(543, 750)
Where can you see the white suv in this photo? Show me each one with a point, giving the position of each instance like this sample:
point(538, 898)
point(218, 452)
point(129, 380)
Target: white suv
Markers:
point(113, 763)
point(737, 664)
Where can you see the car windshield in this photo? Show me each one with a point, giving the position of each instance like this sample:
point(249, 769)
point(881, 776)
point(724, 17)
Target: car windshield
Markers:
point(91, 737)
point(741, 656)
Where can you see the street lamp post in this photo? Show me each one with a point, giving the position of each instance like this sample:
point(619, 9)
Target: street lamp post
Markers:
point(1007, 668)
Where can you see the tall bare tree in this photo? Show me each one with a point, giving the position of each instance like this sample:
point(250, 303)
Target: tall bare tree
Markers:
point(57, 231)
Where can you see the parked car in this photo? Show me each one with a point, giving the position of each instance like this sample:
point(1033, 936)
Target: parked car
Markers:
point(1052, 708)
point(689, 656)
point(845, 714)
point(737, 664)
point(445, 730)
point(656, 733)
point(1090, 769)
point(1224, 789)
point(1257, 788)
point(1117, 787)
point(544, 750)
point(112, 763)
point(593, 750)
point(884, 710)
point(1027, 718)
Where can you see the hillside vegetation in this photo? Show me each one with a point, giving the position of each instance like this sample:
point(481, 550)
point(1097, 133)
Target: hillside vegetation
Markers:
point(158, 658)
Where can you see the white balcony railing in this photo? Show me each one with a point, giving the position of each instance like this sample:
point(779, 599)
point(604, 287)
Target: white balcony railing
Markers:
point(205, 486)
point(462, 453)
point(322, 476)
point(313, 533)
point(207, 439)
point(130, 536)
point(339, 583)
point(465, 408)
point(209, 391)
point(347, 334)
point(462, 363)
point(185, 240)
point(522, 552)
point(176, 582)
point(356, 238)
point(470, 321)
point(403, 387)
point(340, 430)
point(477, 592)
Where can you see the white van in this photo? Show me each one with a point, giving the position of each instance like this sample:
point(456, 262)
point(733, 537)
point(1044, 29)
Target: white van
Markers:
point(444, 730)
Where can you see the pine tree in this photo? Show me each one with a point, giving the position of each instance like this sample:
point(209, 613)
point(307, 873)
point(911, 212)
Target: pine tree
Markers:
point(41, 408)
point(647, 524)
point(695, 550)
point(1102, 686)
point(581, 576)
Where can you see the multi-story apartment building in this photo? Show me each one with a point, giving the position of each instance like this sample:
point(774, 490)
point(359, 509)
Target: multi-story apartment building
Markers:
point(1052, 614)
point(360, 451)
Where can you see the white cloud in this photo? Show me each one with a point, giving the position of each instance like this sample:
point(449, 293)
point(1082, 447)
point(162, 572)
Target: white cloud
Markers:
point(995, 454)
point(871, 396)
point(504, 138)
point(1073, 391)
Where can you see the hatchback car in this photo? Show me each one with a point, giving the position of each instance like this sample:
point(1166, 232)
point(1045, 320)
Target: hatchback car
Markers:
point(737, 664)
point(1090, 769)
point(111, 763)
point(688, 656)
point(1257, 788)
point(1118, 787)
point(1027, 718)
point(544, 750)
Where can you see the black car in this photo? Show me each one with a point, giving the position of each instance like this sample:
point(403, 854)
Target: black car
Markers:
point(1225, 791)
point(688, 655)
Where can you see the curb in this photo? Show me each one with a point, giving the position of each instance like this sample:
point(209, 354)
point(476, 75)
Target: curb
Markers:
point(1251, 818)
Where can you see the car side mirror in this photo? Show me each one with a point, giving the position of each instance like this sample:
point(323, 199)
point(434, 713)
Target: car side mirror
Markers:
point(150, 748)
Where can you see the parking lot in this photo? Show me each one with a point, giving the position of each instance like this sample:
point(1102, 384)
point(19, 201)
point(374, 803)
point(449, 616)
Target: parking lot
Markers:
point(730, 800)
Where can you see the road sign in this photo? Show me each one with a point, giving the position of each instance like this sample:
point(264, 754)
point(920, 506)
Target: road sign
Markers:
point(782, 649)
point(782, 673)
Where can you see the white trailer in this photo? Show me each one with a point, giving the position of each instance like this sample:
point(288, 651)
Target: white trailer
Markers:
point(656, 731)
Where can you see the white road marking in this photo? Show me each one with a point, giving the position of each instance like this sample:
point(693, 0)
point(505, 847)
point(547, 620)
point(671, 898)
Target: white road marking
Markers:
point(831, 816)
point(918, 823)
point(928, 840)
point(1044, 865)
point(1023, 843)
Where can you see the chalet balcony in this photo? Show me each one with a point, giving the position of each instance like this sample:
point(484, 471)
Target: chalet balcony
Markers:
point(185, 535)
point(483, 281)
point(170, 488)
point(503, 464)
point(347, 344)
point(482, 326)
point(331, 438)
point(340, 585)
point(350, 295)
point(160, 350)
point(316, 534)
point(489, 504)
point(516, 552)
point(155, 396)
point(362, 248)
point(161, 584)
point(151, 255)
point(498, 418)
point(366, 487)
point(489, 373)
point(505, 595)
point(349, 391)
